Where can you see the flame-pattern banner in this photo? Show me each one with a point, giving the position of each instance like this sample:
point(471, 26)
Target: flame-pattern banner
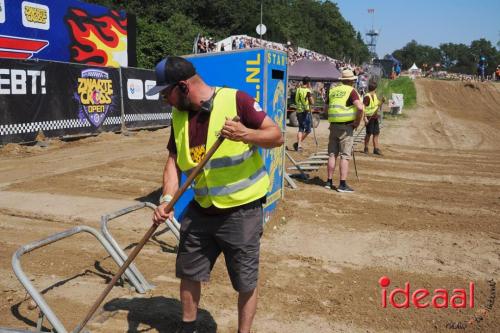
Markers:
point(69, 31)
point(97, 40)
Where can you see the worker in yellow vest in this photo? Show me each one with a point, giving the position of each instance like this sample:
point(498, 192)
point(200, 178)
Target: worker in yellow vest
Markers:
point(345, 111)
point(372, 105)
point(226, 213)
point(303, 101)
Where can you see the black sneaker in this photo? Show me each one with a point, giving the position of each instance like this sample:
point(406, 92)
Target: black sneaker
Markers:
point(330, 186)
point(377, 151)
point(296, 146)
point(344, 189)
point(365, 150)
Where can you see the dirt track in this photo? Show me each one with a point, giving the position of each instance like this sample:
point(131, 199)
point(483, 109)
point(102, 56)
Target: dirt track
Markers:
point(426, 212)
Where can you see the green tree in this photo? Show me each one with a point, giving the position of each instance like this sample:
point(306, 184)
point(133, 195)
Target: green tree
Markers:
point(416, 53)
point(483, 47)
point(157, 40)
point(457, 58)
point(170, 26)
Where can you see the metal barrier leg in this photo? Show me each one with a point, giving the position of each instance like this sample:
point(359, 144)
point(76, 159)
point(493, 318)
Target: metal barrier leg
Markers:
point(26, 282)
point(172, 225)
point(290, 181)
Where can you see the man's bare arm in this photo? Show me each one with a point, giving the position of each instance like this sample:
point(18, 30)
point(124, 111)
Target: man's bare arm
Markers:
point(359, 113)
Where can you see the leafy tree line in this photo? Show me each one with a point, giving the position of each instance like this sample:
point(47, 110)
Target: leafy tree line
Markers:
point(456, 58)
point(170, 26)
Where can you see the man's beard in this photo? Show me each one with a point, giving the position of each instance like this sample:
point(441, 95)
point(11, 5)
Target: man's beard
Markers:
point(184, 104)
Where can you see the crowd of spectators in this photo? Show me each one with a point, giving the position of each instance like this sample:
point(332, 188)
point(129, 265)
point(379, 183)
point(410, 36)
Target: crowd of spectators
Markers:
point(444, 75)
point(294, 53)
point(205, 45)
point(246, 42)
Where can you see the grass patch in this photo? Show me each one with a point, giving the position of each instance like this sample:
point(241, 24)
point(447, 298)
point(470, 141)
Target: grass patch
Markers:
point(402, 85)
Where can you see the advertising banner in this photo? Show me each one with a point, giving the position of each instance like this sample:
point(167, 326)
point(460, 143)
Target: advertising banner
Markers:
point(69, 31)
point(274, 103)
point(141, 110)
point(58, 99)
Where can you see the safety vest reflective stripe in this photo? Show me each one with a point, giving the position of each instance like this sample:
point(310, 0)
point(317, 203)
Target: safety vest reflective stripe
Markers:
point(226, 161)
point(228, 189)
point(342, 115)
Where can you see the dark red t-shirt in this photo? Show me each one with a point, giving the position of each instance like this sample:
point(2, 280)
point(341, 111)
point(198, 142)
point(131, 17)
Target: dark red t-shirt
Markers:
point(249, 111)
point(354, 96)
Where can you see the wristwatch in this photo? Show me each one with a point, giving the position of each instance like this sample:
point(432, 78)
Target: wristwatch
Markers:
point(165, 198)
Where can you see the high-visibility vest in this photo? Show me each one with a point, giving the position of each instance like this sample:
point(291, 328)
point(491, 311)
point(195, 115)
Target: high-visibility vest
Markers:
point(235, 175)
point(373, 106)
point(301, 100)
point(338, 112)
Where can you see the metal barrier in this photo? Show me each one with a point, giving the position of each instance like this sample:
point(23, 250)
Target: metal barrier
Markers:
point(45, 310)
point(143, 284)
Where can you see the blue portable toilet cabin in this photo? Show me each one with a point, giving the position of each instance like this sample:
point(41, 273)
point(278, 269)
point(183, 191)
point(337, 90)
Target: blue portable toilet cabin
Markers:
point(261, 73)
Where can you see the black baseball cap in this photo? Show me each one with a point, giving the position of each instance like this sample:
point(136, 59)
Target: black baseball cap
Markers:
point(170, 71)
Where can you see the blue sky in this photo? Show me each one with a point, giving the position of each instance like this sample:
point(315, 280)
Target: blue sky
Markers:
point(429, 22)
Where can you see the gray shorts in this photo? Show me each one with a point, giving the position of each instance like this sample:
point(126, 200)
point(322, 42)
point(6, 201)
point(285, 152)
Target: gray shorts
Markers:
point(236, 234)
point(341, 140)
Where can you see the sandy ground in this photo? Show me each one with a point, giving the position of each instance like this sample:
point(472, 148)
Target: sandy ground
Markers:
point(427, 212)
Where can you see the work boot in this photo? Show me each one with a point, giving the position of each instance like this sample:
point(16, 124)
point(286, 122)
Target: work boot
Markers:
point(344, 188)
point(377, 151)
point(365, 150)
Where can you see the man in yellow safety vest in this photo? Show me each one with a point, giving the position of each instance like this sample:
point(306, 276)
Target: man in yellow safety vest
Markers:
point(303, 101)
point(226, 213)
point(372, 104)
point(345, 111)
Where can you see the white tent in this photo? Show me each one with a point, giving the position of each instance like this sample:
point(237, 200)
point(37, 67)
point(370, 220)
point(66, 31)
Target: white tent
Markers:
point(414, 71)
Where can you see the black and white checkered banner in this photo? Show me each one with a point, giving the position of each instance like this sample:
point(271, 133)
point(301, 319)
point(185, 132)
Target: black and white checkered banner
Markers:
point(52, 125)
